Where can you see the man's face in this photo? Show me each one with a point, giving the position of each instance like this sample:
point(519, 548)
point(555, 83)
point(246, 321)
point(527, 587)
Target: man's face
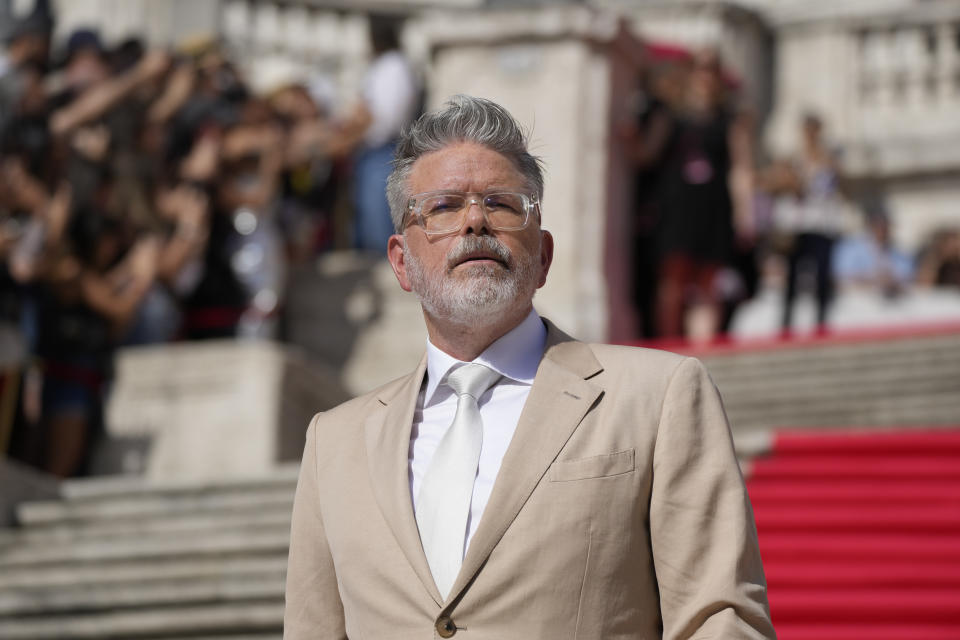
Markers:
point(475, 274)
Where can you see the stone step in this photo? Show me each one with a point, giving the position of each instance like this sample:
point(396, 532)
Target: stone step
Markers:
point(903, 380)
point(154, 505)
point(182, 524)
point(241, 617)
point(54, 575)
point(158, 547)
point(830, 391)
point(930, 410)
point(789, 354)
point(942, 375)
point(116, 486)
point(936, 412)
point(817, 357)
point(795, 355)
point(917, 366)
point(147, 591)
point(923, 369)
point(935, 376)
point(909, 381)
point(836, 395)
point(812, 406)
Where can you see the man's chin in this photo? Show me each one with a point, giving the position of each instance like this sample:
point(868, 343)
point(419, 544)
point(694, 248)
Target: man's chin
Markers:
point(477, 314)
point(471, 301)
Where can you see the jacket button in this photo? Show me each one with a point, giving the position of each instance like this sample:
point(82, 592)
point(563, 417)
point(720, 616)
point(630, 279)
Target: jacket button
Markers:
point(445, 627)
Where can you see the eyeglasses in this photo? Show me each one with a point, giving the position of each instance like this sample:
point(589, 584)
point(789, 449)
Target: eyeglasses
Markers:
point(445, 211)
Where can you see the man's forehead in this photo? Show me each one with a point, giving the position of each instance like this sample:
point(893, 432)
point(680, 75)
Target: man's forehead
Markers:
point(464, 166)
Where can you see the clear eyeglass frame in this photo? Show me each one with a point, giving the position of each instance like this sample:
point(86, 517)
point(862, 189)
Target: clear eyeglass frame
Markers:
point(416, 201)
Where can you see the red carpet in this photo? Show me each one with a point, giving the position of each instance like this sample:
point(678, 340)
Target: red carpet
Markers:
point(860, 534)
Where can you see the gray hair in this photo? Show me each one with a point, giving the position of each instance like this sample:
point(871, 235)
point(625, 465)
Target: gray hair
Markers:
point(462, 119)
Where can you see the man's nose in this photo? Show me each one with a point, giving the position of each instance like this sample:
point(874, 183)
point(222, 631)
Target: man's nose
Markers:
point(475, 221)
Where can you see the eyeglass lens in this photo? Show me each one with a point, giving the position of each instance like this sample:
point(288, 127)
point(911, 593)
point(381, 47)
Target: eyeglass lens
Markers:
point(444, 212)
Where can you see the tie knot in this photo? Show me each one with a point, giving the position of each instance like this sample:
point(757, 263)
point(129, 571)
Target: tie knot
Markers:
point(472, 379)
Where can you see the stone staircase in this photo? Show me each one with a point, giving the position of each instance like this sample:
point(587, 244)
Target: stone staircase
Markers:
point(127, 558)
point(124, 558)
point(885, 380)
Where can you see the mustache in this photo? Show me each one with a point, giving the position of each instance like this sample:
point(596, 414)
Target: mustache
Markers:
point(472, 244)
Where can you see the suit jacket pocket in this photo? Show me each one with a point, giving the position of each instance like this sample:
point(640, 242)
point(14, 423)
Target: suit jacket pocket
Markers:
point(611, 464)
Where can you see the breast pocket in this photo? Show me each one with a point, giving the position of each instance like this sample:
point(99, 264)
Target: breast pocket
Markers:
point(611, 464)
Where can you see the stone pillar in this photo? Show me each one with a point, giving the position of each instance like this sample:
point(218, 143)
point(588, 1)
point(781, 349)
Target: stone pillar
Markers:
point(19, 483)
point(214, 409)
point(566, 72)
point(947, 62)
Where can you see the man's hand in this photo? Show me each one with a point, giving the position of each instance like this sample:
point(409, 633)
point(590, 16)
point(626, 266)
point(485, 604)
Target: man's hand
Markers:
point(92, 142)
point(204, 159)
point(152, 65)
point(58, 213)
point(192, 208)
point(25, 191)
point(143, 259)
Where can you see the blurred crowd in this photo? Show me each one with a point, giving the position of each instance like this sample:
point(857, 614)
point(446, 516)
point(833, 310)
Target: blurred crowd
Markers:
point(713, 222)
point(152, 195)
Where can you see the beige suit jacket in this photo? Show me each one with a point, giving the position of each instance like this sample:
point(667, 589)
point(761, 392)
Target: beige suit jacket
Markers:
point(619, 513)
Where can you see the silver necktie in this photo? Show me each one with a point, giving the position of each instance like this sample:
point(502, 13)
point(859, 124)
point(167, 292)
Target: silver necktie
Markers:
point(447, 488)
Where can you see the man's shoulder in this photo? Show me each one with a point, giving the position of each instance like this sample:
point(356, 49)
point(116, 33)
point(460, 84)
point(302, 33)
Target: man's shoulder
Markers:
point(613, 359)
point(642, 366)
point(616, 357)
point(623, 355)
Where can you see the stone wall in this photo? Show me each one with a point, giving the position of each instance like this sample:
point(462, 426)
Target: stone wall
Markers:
point(350, 313)
point(19, 483)
point(212, 409)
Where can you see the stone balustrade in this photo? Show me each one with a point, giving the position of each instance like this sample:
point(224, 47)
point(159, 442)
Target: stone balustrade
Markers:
point(908, 79)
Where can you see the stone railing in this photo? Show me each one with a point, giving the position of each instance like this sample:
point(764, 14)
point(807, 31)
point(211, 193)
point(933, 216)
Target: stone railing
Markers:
point(885, 77)
point(908, 80)
point(275, 42)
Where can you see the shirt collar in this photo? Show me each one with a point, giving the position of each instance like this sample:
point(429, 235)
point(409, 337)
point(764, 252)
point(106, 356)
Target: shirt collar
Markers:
point(515, 355)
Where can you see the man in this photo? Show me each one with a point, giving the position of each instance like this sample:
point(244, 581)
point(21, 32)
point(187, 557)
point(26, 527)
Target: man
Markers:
point(605, 500)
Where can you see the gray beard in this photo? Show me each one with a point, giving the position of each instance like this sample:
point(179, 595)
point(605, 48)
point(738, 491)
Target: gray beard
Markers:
point(484, 295)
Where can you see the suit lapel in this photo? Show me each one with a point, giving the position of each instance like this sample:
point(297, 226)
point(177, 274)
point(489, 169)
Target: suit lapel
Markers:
point(559, 399)
point(387, 435)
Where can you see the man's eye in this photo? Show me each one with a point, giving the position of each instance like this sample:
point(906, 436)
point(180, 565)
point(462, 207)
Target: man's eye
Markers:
point(443, 205)
point(506, 203)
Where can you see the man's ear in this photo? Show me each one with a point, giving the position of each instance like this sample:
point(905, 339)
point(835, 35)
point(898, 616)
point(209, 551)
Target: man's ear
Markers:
point(546, 256)
point(395, 256)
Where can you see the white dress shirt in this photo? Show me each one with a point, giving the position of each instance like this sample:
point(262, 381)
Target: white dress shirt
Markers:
point(516, 356)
